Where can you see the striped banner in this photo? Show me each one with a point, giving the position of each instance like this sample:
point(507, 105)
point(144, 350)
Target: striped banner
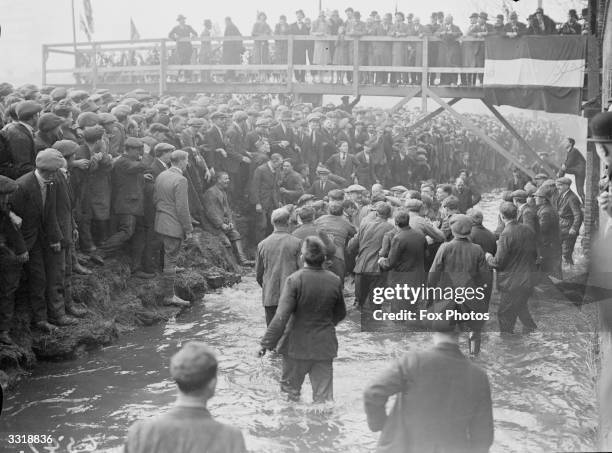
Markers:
point(536, 72)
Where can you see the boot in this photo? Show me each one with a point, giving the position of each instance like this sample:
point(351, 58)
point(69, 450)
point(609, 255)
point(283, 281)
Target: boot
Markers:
point(242, 258)
point(78, 268)
point(474, 343)
point(75, 310)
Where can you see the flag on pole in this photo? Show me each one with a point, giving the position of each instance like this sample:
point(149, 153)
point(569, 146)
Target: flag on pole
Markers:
point(134, 35)
point(85, 28)
point(88, 15)
point(535, 72)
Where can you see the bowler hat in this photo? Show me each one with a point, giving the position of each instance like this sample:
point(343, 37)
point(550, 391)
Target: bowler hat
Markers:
point(601, 127)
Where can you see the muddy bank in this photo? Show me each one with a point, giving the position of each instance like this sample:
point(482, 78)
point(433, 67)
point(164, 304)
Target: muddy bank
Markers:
point(117, 303)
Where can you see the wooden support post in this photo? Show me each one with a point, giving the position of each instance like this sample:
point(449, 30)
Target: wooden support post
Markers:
point(355, 66)
point(468, 124)
point(425, 75)
point(94, 76)
point(520, 139)
point(431, 115)
point(163, 67)
point(45, 56)
point(290, 64)
point(412, 92)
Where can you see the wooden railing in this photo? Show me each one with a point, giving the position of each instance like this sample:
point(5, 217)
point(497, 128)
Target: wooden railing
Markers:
point(88, 69)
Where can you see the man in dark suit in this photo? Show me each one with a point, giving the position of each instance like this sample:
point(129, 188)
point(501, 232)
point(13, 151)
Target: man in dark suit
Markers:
point(237, 156)
point(549, 237)
point(215, 142)
point(515, 262)
point(425, 384)
point(290, 184)
point(282, 138)
point(20, 137)
point(321, 187)
point(466, 195)
point(312, 298)
point(527, 214)
point(35, 202)
point(570, 218)
point(128, 202)
point(364, 172)
point(575, 164)
point(299, 27)
point(312, 144)
point(342, 163)
point(265, 194)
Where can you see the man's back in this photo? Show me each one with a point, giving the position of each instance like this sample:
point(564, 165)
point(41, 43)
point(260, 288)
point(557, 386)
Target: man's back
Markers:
point(443, 404)
point(516, 256)
point(183, 430)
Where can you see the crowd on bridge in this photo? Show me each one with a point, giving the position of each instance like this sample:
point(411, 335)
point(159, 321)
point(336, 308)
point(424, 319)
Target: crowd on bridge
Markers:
point(328, 192)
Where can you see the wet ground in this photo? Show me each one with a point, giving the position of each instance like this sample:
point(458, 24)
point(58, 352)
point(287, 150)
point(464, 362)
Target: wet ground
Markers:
point(542, 384)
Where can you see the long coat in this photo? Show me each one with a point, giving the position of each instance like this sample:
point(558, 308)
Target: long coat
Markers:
point(515, 259)
point(128, 186)
point(232, 49)
point(21, 147)
point(299, 47)
point(171, 200)
point(264, 188)
point(236, 148)
point(570, 212)
point(549, 240)
point(314, 297)
point(216, 209)
point(277, 258)
point(93, 186)
point(443, 404)
point(367, 243)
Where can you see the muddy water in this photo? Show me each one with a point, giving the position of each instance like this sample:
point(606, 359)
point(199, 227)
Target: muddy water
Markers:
point(542, 385)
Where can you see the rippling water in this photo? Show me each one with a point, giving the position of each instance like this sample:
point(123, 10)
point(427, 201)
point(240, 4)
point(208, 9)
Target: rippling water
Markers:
point(543, 390)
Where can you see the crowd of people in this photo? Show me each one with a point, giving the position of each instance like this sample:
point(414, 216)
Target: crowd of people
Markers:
point(330, 193)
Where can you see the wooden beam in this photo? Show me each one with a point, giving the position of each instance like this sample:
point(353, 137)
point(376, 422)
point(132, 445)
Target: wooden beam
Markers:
point(424, 74)
point(519, 137)
point(412, 92)
point(163, 65)
point(431, 115)
point(468, 124)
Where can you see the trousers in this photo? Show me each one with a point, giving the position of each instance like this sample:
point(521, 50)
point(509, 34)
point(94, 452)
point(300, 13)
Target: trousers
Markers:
point(514, 304)
point(9, 282)
point(320, 372)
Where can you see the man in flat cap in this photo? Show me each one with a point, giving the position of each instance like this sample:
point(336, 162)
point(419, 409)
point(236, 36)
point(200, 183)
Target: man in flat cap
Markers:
point(20, 136)
point(575, 164)
point(549, 236)
point(282, 137)
point(215, 141)
point(265, 194)
point(128, 203)
point(49, 131)
point(188, 426)
point(322, 185)
point(515, 262)
point(13, 254)
point(35, 203)
point(92, 184)
point(237, 162)
point(115, 132)
point(527, 214)
point(570, 217)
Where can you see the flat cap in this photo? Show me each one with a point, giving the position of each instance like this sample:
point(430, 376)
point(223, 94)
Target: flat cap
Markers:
point(158, 127)
point(92, 134)
point(541, 176)
point(49, 160)
point(601, 127)
point(87, 119)
point(5, 89)
point(240, 115)
point(355, 188)
point(543, 192)
point(133, 142)
point(321, 170)
point(313, 117)
point(58, 93)
point(461, 225)
point(89, 106)
point(218, 115)
point(413, 204)
point(398, 189)
point(262, 122)
point(78, 95)
point(519, 194)
point(49, 121)
point(162, 148)
point(66, 147)
point(305, 199)
point(121, 111)
point(474, 16)
point(193, 366)
point(336, 194)
point(196, 122)
point(564, 180)
point(26, 109)
point(7, 185)
point(106, 118)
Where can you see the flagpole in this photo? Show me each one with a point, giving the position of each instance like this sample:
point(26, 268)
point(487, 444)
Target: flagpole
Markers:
point(74, 46)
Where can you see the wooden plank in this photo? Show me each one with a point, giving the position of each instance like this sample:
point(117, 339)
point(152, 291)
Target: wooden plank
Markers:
point(45, 55)
point(412, 92)
point(290, 64)
point(424, 75)
point(519, 137)
point(94, 80)
point(468, 124)
point(356, 67)
point(163, 64)
point(229, 67)
point(431, 115)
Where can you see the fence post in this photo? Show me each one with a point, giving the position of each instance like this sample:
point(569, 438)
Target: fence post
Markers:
point(163, 60)
point(290, 64)
point(424, 75)
point(356, 66)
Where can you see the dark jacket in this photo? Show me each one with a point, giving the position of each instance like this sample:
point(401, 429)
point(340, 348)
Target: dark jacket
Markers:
point(128, 186)
point(443, 404)
point(467, 199)
point(515, 259)
point(10, 239)
point(570, 212)
point(264, 188)
point(310, 229)
point(38, 223)
point(292, 182)
point(345, 170)
point(65, 208)
point(484, 238)
point(314, 297)
point(216, 209)
point(184, 429)
point(364, 172)
point(338, 229)
point(93, 186)
point(21, 147)
point(407, 252)
point(214, 140)
point(320, 189)
point(575, 163)
point(367, 244)
point(276, 136)
point(549, 239)
point(527, 216)
point(236, 148)
point(277, 258)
